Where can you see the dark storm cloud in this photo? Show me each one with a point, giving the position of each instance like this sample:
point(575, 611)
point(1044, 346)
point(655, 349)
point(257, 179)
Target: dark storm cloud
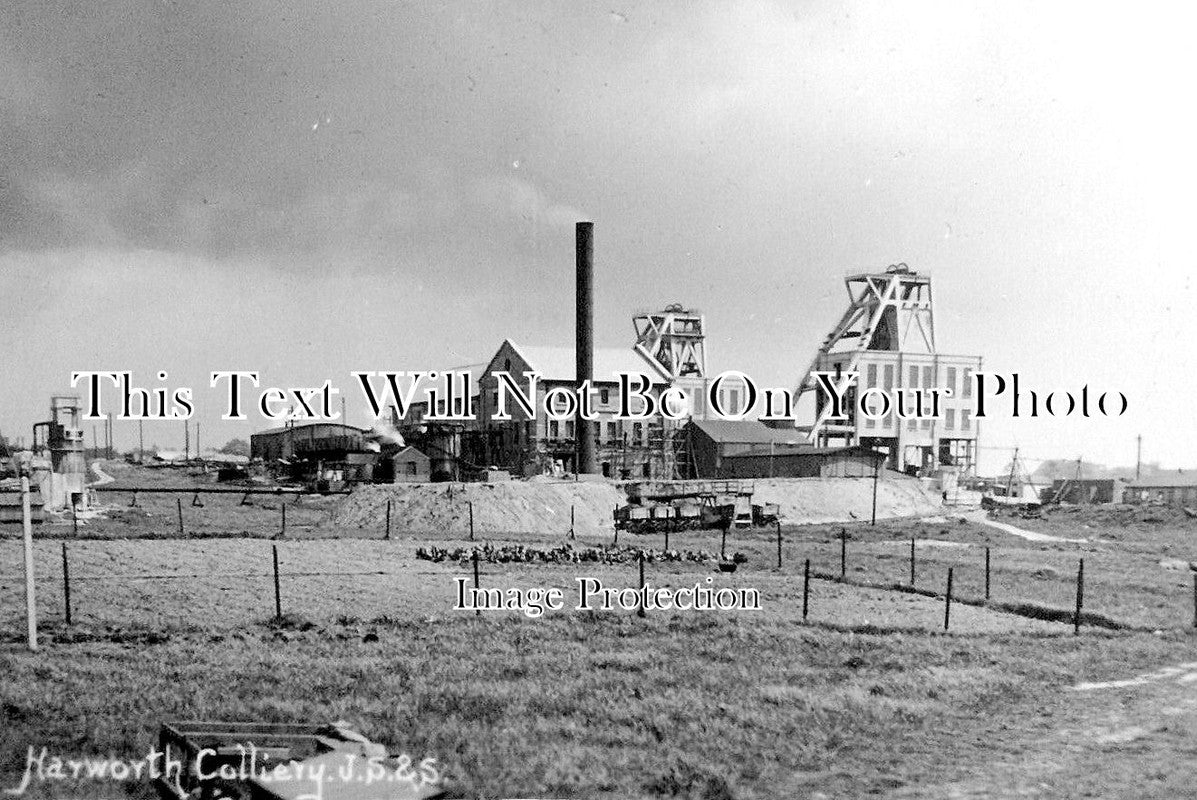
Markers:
point(232, 127)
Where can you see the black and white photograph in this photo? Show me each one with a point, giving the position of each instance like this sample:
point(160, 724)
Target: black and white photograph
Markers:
point(526, 400)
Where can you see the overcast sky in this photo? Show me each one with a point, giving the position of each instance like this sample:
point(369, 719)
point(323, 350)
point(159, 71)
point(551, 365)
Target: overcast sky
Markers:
point(307, 189)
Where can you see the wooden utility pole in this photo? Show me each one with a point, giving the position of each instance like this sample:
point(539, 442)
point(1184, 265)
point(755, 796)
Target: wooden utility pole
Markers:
point(1013, 466)
point(140, 443)
point(27, 526)
point(1138, 455)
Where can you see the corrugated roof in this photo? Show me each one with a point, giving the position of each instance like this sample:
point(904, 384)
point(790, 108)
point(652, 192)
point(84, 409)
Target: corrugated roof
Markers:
point(747, 431)
point(1179, 480)
point(801, 449)
point(558, 363)
point(301, 426)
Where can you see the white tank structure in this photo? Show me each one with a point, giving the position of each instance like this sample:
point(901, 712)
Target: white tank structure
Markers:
point(60, 466)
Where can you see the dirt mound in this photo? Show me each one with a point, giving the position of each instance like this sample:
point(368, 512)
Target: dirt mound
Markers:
point(541, 507)
point(1117, 515)
point(816, 500)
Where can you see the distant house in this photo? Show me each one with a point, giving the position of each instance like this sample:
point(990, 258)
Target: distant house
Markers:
point(409, 465)
point(1174, 490)
point(1087, 490)
point(751, 449)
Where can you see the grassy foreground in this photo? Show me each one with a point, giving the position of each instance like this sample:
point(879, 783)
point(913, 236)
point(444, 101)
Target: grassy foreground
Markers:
point(578, 705)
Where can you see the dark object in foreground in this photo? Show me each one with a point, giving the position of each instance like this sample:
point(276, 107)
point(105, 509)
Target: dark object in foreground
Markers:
point(276, 761)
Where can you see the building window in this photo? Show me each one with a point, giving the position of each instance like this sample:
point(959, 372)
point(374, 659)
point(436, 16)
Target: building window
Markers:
point(914, 377)
point(637, 432)
point(647, 470)
point(966, 423)
point(952, 382)
point(731, 401)
point(612, 432)
point(928, 377)
point(604, 396)
point(554, 429)
point(606, 469)
point(912, 424)
point(698, 399)
point(949, 419)
point(889, 376)
point(967, 389)
point(871, 373)
point(411, 469)
point(870, 422)
point(569, 429)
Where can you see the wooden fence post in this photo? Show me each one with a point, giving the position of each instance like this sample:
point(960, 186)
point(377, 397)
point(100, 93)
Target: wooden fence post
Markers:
point(947, 606)
point(477, 608)
point(388, 533)
point(779, 544)
point(986, 573)
point(283, 508)
point(278, 597)
point(571, 522)
point(66, 584)
point(1080, 597)
point(640, 611)
point(805, 588)
point(471, 505)
point(843, 554)
point(179, 505)
point(911, 562)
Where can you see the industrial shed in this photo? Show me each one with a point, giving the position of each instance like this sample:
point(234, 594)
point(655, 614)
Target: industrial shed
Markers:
point(409, 465)
point(320, 440)
point(751, 449)
point(1087, 490)
point(1173, 490)
point(805, 462)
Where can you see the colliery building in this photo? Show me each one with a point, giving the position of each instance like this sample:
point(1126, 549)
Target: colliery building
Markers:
point(624, 448)
point(330, 441)
point(887, 336)
point(750, 449)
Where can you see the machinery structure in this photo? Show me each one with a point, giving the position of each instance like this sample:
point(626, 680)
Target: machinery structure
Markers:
point(61, 471)
point(886, 336)
point(658, 506)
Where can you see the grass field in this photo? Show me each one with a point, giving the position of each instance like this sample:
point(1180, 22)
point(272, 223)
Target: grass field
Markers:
point(866, 697)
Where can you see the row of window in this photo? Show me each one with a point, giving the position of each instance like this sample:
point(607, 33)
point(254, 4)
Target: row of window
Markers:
point(949, 421)
point(958, 380)
point(611, 429)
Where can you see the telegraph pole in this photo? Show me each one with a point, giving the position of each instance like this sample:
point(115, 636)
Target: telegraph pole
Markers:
point(27, 531)
point(1010, 480)
point(1138, 454)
